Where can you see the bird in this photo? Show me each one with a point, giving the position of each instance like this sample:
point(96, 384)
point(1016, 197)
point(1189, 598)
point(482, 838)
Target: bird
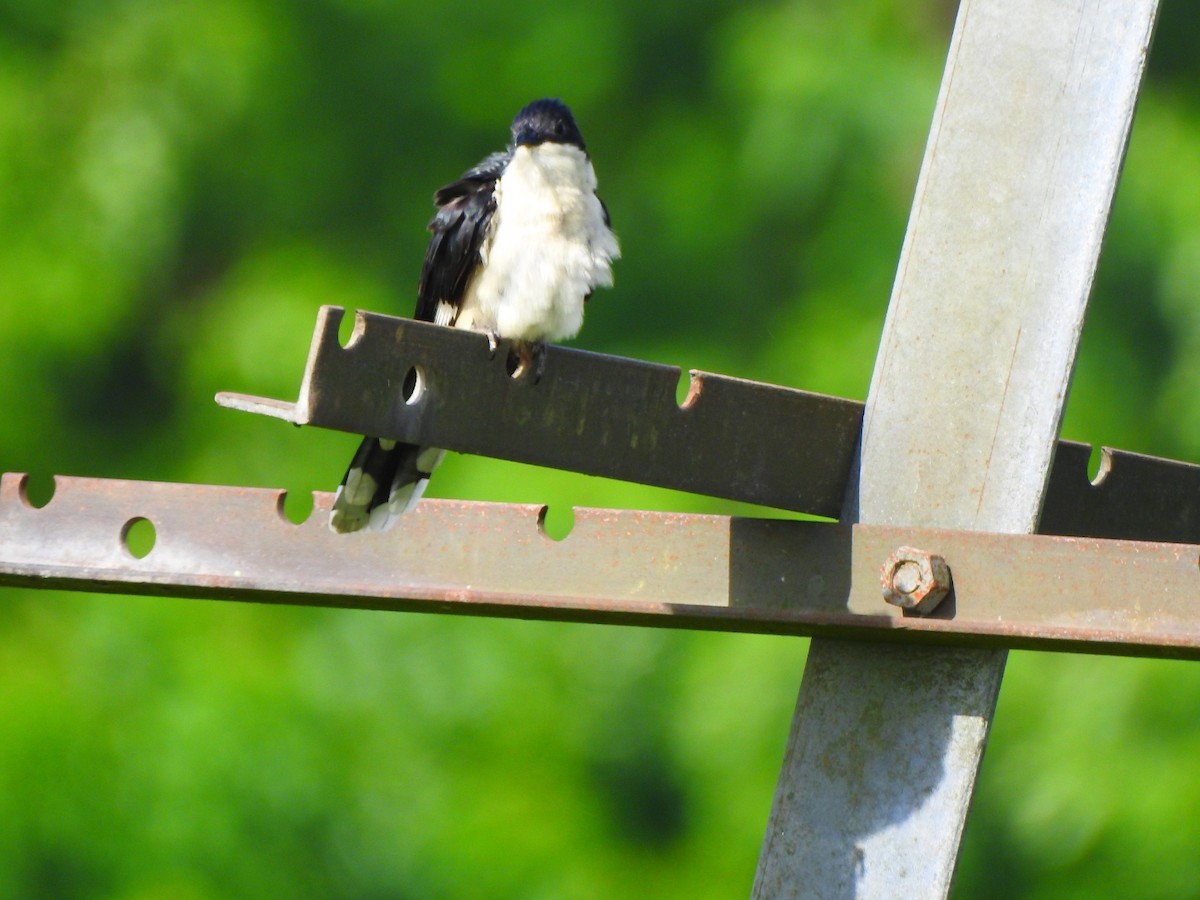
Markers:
point(518, 244)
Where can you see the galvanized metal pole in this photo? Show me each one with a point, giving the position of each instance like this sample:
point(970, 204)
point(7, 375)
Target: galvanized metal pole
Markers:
point(964, 408)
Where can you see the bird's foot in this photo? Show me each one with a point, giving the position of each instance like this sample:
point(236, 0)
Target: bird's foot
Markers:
point(527, 359)
point(493, 342)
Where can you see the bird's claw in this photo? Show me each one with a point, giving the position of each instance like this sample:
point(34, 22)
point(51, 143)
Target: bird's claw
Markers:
point(529, 362)
point(538, 358)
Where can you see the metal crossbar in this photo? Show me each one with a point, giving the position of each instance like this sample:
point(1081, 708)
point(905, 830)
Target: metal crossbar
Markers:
point(616, 417)
point(617, 567)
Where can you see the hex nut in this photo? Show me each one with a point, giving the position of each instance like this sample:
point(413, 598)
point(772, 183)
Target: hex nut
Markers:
point(915, 579)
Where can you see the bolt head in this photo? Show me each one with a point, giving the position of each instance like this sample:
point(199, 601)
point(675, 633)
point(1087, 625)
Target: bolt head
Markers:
point(915, 579)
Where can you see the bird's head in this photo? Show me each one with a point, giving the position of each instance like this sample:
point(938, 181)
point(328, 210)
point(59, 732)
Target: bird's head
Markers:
point(546, 122)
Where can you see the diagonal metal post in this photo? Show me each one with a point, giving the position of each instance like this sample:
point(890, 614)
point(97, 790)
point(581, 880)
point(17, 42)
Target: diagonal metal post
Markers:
point(961, 420)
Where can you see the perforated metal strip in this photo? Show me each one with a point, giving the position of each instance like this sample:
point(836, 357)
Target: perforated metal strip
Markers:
point(658, 569)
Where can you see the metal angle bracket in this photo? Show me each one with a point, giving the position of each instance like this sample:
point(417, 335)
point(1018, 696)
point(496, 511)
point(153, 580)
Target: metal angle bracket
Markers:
point(604, 415)
point(617, 567)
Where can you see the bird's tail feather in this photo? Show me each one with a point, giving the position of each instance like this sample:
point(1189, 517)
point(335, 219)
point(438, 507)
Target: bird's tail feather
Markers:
point(384, 481)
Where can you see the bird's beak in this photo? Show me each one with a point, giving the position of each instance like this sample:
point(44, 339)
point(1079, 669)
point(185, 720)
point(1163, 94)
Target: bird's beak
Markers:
point(527, 137)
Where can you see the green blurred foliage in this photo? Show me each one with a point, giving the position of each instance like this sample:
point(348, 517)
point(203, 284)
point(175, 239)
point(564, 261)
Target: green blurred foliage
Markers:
point(183, 183)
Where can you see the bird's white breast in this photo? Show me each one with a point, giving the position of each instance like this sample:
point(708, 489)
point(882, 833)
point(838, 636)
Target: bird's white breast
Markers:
point(547, 249)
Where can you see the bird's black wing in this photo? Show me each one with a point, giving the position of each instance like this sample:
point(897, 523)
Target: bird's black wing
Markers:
point(465, 210)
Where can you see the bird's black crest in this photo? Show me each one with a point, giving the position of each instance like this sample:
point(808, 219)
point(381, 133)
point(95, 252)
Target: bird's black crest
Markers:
point(546, 121)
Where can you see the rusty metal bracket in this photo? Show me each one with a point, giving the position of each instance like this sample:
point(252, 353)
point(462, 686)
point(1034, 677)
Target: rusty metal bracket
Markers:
point(660, 569)
point(604, 415)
